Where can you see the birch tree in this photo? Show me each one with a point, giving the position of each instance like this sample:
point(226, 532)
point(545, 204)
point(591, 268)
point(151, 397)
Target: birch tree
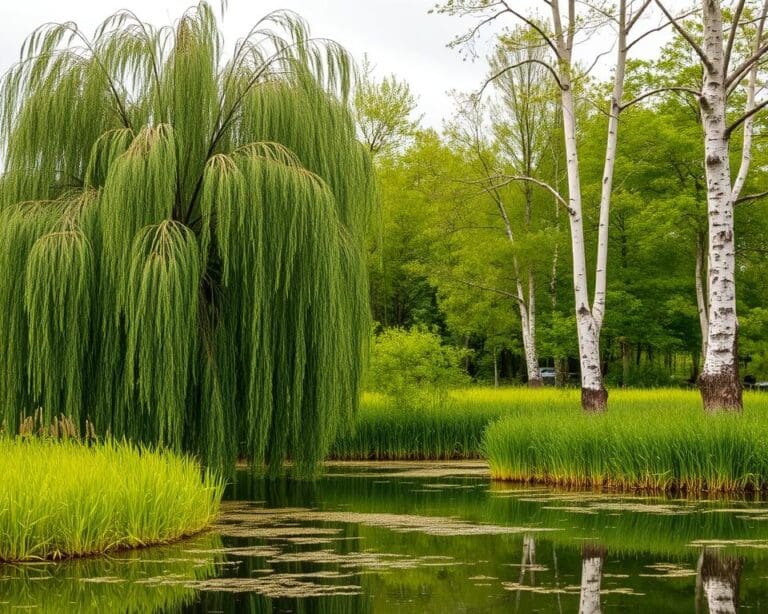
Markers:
point(724, 74)
point(524, 152)
point(559, 35)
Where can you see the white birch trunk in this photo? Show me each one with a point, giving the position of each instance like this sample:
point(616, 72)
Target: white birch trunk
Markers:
point(528, 323)
point(591, 577)
point(601, 271)
point(593, 395)
point(719, 381)
point(526, 308)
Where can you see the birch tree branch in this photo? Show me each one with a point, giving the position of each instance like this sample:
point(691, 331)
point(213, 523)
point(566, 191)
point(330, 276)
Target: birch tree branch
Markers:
point(746, 116)
point(751, 197)
point(675, 21)
point(508, 179)
point(661, 90)
point(472, 284)
point(506, 69)
point(732, 35)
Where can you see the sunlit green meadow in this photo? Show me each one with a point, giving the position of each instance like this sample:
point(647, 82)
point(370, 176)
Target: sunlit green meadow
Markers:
point(63, 499)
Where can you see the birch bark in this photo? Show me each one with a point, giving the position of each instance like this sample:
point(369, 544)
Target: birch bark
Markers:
point(594, 397)
point(701, 300)
point(719, 379)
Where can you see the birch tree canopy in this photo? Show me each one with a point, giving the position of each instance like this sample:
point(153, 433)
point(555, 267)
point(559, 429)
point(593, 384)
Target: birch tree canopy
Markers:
point(181, 235)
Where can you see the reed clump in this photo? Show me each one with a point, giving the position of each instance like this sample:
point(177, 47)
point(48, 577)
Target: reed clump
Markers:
point(61, 497)
point(662, 447)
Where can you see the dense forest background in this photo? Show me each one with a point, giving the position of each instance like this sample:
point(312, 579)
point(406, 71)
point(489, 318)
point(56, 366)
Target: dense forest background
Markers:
point(443, 260)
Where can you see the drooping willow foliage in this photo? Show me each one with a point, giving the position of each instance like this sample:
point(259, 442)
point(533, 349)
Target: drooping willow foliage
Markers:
point(181, 236)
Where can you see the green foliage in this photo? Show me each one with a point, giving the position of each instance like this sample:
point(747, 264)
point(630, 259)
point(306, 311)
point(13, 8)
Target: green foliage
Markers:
point(663, 445)
point(384, 111)
point(65, 499)
point(412, 366)
point(182, 236)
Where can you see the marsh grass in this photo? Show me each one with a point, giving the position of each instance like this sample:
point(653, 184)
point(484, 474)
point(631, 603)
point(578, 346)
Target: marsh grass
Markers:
point(652, 440)
point(433, 430)
point(647, 441)
point(62, 498)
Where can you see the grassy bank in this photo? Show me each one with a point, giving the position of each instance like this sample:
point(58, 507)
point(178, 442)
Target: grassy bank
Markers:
point(668, 445)
point(388, 431)
point(654, 440)
point(65, 499)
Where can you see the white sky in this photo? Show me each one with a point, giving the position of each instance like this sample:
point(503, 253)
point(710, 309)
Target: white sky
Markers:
point(399, 36)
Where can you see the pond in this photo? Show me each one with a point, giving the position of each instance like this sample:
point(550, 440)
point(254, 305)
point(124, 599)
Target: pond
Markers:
point(429, 537)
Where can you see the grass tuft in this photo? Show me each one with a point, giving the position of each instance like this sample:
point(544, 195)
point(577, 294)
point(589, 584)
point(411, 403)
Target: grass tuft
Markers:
point(647, 441)
point(61, 499)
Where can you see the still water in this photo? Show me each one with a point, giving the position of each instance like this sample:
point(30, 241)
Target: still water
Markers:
point(415, 538)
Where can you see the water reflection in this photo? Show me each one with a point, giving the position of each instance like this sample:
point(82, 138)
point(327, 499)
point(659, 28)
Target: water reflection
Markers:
point(402, 541)
point(592, 558)
point(720, 579)
point(123, 583)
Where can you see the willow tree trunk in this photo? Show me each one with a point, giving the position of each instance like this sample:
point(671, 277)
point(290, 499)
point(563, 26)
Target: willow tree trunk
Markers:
point(719, 379)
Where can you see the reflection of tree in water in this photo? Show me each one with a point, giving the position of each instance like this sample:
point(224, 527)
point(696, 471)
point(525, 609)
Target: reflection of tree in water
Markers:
point(528, 563)
point(258, 604)
point(592, 557)
point(718, 578)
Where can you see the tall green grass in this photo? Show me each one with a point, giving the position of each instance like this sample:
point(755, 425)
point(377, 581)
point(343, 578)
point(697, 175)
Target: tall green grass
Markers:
point(661, 443)
point(64, 499)
point(386, 430)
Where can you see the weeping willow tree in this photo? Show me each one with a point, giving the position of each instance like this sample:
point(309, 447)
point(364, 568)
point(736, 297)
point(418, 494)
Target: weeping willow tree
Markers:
point(181, 236)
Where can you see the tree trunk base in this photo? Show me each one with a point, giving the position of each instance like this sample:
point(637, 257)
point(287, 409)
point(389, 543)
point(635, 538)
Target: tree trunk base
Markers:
point(535, 382)
point(720, 392)
point(594, 400)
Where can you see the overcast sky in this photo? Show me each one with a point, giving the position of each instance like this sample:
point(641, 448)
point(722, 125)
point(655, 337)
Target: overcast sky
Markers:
point(399, 36)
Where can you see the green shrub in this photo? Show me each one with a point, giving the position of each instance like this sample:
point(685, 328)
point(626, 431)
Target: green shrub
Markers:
point(413, 367)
